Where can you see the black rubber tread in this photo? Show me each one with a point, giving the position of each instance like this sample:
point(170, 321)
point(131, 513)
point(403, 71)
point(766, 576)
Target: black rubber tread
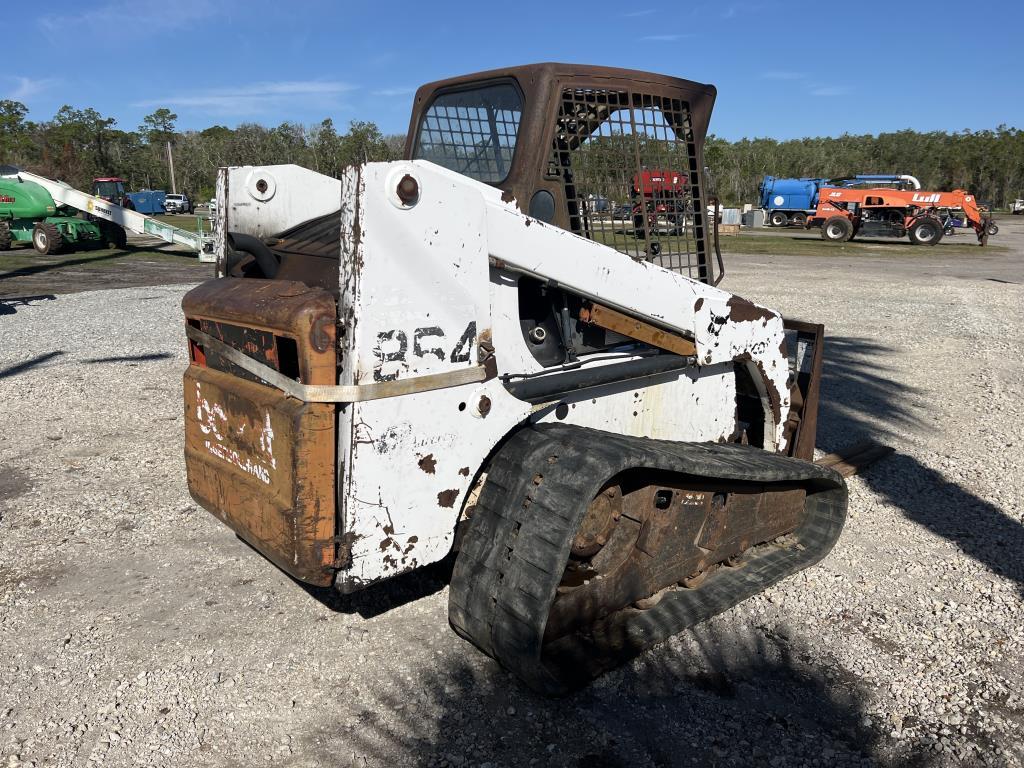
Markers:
point(55, 240)
point(931, 221)
point(517, 546)
point(115, 236)
point(844, 223)
point(5, 236)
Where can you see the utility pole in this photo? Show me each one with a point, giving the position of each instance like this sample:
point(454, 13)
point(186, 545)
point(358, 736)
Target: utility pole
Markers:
point(170, 163)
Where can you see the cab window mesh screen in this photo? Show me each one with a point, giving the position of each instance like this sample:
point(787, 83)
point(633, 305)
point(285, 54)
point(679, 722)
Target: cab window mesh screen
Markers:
point(628, 165)
point(472, 132)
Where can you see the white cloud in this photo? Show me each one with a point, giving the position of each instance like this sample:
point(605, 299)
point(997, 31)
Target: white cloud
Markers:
point(664, 38)
point(393, 92)
point(254, 98)
point(781, 75)
point(829, 90)
point(27, 87)
point(131, 17)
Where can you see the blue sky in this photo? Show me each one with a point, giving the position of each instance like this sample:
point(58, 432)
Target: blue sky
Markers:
point(782, 69)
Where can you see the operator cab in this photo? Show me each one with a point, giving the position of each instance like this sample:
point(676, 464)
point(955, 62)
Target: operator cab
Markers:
point(570, 144)
point(110, 189)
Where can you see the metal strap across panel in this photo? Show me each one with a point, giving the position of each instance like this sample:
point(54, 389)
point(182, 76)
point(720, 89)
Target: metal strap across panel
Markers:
point(321, 393)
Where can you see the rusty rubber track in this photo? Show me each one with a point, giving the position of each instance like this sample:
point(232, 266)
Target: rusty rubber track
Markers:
point(537, 492)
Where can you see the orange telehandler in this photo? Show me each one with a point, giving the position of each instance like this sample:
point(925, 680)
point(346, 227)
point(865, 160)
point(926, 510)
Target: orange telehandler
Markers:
point(843, 214)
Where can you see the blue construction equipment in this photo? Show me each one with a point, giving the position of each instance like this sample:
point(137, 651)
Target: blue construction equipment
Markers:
point(792, 201)
point(148, 201)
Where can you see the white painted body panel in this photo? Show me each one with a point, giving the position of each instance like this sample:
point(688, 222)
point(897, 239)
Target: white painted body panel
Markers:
point(304, 195)
point(427, 266)
point(423, 284)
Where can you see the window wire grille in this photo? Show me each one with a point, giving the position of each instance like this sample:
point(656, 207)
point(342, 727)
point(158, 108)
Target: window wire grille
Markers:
point(628, 164)
point(472, 132)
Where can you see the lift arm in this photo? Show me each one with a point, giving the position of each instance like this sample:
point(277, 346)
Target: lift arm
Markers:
point(969, 205)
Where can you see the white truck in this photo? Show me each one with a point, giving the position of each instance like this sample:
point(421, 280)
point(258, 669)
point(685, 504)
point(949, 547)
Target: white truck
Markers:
point(174, 203)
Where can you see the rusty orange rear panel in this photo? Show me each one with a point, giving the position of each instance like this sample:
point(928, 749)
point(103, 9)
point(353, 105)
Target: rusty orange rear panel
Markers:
point(262, 462)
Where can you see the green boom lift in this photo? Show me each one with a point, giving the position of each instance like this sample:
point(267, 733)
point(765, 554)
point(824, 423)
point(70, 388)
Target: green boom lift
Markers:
point(39, 210)
point(29, 214)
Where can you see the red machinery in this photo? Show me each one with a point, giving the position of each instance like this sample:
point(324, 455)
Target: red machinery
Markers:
point(845, 213)
point(660, 184)
point(111, 189)
point(659, 192)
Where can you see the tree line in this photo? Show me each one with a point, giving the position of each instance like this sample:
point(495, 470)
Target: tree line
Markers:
point(78, 145)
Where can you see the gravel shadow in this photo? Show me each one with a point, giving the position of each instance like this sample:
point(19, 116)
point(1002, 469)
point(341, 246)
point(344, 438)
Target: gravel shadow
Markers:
point(27, 365)
point(146, 358)
point(387, 595)
point(861, 399)
point(724, 694)
point(9, 305)
point(980, 529)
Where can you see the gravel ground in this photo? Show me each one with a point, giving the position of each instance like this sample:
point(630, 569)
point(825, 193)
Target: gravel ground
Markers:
point(137, 630)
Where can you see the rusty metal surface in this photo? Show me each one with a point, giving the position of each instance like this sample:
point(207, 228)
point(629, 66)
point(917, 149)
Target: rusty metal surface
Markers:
point(277, 308)
point(612, 320)
point(242, 363)
point(802, 421)
point(263, 462)
point(256, 344)
point(309, 253)
point(852, 459)
point(568, 106)
point(638, 539)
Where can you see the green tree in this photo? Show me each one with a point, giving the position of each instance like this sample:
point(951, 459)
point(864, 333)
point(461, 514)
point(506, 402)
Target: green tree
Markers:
point(76, 145)
point(14, 131)
point(158, 128)
point(363, 143)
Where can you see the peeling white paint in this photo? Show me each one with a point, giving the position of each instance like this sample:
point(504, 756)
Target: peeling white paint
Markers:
point(215, 422)
point(244, 463)
point(428, 266)
point(421, 285)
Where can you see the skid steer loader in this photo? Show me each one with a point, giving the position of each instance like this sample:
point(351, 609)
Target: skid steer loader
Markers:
point(459, 342)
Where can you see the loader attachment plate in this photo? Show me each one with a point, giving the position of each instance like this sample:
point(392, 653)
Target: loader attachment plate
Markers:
point(261, 461)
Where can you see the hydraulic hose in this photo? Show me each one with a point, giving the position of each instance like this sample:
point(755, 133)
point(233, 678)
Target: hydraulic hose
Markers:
point(264, 257)
point(718, 251)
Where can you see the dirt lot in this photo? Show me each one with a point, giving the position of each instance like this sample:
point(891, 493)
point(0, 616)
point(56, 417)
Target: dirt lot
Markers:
point(24, 274)
point(138, 631)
